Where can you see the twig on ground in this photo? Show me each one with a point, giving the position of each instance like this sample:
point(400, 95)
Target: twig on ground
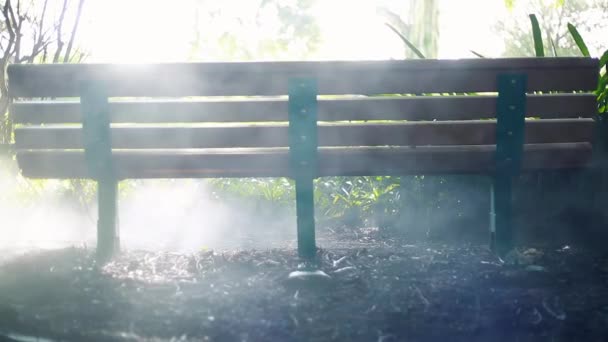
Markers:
point(424, 300)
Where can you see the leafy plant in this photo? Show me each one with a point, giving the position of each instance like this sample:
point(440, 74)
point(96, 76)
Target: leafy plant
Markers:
point(360, 200)
point(602, 89)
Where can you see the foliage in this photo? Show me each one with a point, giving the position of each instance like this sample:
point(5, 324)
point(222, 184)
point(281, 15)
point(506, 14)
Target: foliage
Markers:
point(587, 16)
point(357, 200)
point(261, 29)
point(275, 190)
point(602, 89)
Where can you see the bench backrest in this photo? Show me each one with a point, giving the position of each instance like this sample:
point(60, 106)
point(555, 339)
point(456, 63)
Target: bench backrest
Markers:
point(442, 104)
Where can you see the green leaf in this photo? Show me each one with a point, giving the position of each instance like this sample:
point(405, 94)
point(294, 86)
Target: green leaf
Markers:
point(407, 42)
point(578, 40)
point(601, 87)
point(539, 48)
point(477, 54)
point(604, 59)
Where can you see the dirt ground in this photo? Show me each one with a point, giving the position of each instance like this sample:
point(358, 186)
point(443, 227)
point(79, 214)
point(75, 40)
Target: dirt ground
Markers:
point(374, 288)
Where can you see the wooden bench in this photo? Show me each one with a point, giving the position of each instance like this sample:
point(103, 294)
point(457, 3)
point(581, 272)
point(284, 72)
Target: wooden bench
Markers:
point(303, 120)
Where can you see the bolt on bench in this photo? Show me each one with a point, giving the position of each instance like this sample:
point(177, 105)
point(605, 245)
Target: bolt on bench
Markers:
point(494, 117)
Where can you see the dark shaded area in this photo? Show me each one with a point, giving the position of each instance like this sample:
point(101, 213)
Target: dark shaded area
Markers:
point(381, 289)
point(553, 207)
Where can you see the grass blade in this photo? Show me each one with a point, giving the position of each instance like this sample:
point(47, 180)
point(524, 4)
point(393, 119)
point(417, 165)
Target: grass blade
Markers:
point(407, 42)
point(539, 47)
point(553, 47)
point(578, 40)
point(477, 54)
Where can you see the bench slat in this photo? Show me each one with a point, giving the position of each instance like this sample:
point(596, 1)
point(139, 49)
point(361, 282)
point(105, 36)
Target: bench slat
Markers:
point(473, 132)
point(271, 78)
point(394, 108)
point(332, 161)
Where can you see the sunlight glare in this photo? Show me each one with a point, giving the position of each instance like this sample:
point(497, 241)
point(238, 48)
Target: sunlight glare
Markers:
point(352, 30)
point(138, 31)
point(146, 31)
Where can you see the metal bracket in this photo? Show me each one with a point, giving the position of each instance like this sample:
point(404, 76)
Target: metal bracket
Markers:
point(303, 158)
point(510, 126)
point(96, 130)
point(598, 172)
point(303, 127)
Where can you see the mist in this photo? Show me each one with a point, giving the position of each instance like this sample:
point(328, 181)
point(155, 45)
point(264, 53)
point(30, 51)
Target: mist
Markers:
point(181, 216)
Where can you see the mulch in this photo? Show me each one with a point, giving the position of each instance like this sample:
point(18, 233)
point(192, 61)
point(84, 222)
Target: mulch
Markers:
point(383, 290)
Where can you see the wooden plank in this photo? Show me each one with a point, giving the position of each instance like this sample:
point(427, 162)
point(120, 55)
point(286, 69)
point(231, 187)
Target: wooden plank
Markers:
point(270, 78)
point(421, 133)
point(551, 106)
point(275, 162)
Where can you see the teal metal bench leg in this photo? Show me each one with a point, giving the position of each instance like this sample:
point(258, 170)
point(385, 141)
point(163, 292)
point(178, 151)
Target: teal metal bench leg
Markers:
point(599, 168)
point(305, 212)
point(503, 221)
point(303, 159)
point(510, 115)
point(107, 225)
point(98, 154)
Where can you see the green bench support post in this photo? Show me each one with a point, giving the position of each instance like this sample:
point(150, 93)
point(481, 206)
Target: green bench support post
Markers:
point(600, 163)
point(599, 167)
point(98, 154)
point(303, 158)
point(510, 115)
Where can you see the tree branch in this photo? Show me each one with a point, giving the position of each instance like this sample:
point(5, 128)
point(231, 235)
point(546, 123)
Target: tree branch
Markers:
point(38, 40)
point(11, 33)
point(30, 58)
point(68, 51)
point(18, 31)
point(11, 11)
point(59, 27)
point(39, 37)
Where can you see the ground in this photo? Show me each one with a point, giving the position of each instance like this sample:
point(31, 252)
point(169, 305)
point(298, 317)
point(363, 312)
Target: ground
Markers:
point(379, 289)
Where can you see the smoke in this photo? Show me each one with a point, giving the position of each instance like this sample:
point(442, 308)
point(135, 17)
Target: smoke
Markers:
point(47, 222)
point(183, 215)
point(168, 215)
